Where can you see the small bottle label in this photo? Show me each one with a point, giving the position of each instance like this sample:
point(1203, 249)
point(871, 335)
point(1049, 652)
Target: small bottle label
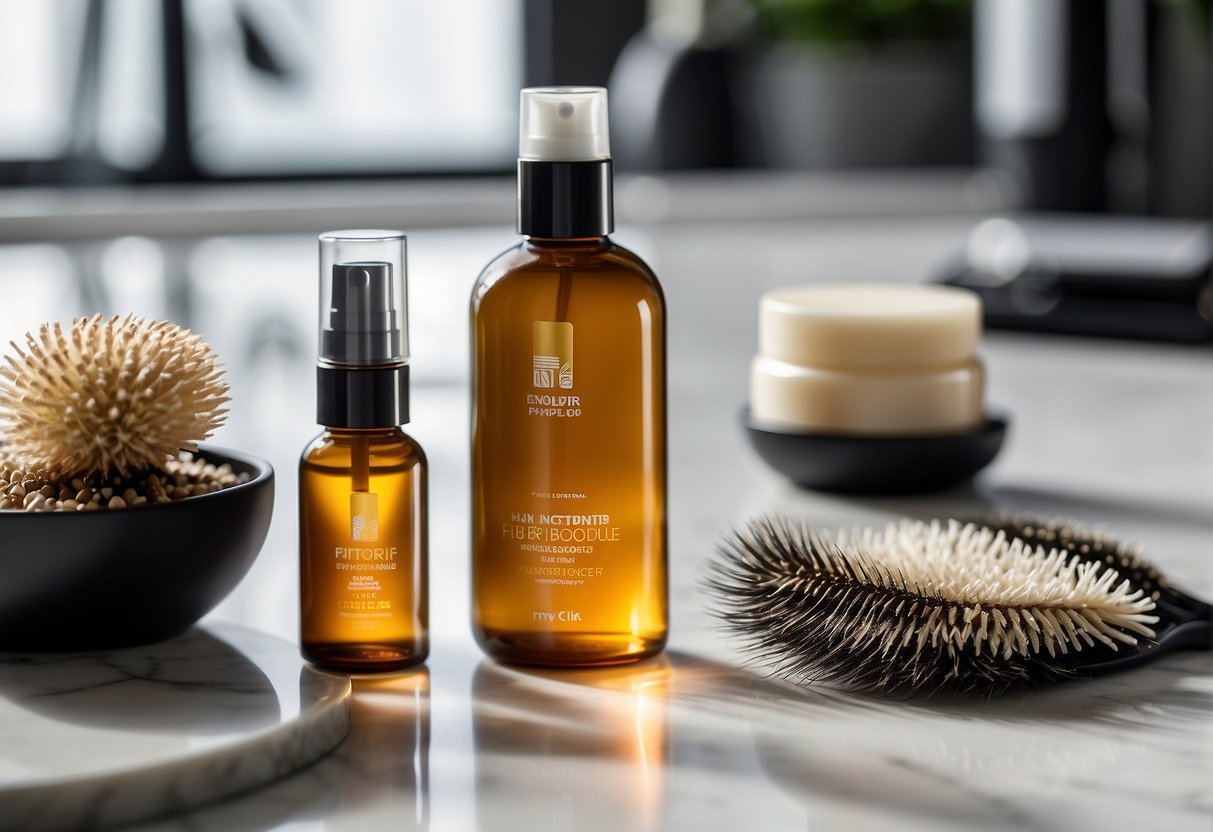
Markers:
point(364, 516)
point(365, 602)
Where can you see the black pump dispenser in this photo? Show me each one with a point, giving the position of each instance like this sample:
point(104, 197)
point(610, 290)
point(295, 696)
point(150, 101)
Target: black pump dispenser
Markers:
point(362, 326)
point(362, 370)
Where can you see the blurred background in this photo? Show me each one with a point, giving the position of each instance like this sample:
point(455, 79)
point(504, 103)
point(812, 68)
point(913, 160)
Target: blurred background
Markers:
point(170, 118)
point(1095, 106)
point(175, 158)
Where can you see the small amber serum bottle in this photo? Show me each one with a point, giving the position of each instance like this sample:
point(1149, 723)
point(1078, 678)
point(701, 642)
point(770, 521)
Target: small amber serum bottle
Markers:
point(568, 412)
point(362, 482)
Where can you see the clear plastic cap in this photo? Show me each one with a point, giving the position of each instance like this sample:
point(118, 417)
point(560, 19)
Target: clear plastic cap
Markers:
point(563, 124)
point(363, 300)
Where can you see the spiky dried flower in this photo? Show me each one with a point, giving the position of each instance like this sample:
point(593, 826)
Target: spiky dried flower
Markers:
point(922, 608)
point(109, 396)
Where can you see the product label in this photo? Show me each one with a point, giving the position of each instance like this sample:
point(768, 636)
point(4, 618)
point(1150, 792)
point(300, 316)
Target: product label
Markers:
point(364, 600)
point(364, 516)
point(552, 354)
point(559, 541)
point(552, 369)
point(557, 548)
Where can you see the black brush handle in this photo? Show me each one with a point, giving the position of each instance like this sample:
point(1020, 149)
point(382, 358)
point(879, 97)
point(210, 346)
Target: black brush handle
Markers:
point(1191, 631)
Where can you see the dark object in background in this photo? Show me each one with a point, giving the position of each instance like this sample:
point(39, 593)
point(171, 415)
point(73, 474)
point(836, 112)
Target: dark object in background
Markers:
point(877, 464)
point(1041, 99)
point(795, 84)
point(1094, 105)
point(823, 106)
point(674, 88)
point(100, 579)
point(576, 43)
point(857, 84)
point(1125, 278)
point(674, 105)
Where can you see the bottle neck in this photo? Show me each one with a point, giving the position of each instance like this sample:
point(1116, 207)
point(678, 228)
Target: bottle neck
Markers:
point(366, 433)
point(565, 200)
point(569, 242)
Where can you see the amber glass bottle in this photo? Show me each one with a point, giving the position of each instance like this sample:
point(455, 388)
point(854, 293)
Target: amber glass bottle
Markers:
point(363, 601)
point(362, 482)
point(568, 418)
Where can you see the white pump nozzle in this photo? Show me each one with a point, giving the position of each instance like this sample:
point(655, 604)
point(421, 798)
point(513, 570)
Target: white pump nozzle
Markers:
point(563, 124)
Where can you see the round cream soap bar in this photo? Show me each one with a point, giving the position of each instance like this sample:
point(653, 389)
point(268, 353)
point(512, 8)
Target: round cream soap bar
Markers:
point(788, 397)
point(870, 326)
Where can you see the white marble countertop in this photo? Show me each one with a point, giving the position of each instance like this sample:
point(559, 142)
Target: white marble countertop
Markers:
point(110, 736)
point(1114, 434)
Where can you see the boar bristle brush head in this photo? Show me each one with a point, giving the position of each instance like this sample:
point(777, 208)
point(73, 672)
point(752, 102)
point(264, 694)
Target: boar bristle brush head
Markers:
point(1088, 544)
point(922, 609)
point(108, 396)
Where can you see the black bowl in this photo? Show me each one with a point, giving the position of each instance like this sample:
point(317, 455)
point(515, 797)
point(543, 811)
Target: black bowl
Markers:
point(101, 579)
point(877, 465)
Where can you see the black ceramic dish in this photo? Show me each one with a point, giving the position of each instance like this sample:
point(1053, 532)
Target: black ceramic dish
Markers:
point(78, 581)
point(877, 465)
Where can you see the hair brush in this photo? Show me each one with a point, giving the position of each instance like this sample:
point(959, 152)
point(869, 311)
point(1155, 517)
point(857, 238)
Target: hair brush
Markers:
point(925, 609)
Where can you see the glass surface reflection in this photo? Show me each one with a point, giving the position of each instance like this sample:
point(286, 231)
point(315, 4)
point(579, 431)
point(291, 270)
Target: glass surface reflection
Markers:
point(571, 749)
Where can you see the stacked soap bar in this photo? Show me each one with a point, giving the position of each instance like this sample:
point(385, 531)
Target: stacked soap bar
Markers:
point(868, 360)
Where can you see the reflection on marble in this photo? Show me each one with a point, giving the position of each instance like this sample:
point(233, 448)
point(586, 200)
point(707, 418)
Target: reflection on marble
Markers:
point(94, 739)
point(377, 778)
point(548, 760)
point(673, 744)
point(692, 741)
point(1117, 752)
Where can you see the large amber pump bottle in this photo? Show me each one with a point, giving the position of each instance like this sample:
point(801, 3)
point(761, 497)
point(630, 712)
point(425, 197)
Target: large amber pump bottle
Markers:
point(362, 482)
point(568, 412)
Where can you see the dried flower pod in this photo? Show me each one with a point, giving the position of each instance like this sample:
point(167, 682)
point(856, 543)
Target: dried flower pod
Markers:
point(109, 397)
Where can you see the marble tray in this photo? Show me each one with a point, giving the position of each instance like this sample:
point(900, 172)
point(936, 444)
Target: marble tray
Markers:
point(95, 739)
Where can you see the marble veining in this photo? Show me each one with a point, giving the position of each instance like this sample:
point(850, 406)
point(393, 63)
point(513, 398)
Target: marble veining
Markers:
point(90, 740)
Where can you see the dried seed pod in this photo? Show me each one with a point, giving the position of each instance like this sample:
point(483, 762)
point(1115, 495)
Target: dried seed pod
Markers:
point(109, 396)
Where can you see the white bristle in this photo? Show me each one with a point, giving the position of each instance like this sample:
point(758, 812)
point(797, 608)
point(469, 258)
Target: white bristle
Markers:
point(1051, 601)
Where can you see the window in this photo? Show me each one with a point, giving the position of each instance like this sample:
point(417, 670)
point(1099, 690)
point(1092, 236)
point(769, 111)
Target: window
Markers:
point(248, 88)
point(367, 85)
